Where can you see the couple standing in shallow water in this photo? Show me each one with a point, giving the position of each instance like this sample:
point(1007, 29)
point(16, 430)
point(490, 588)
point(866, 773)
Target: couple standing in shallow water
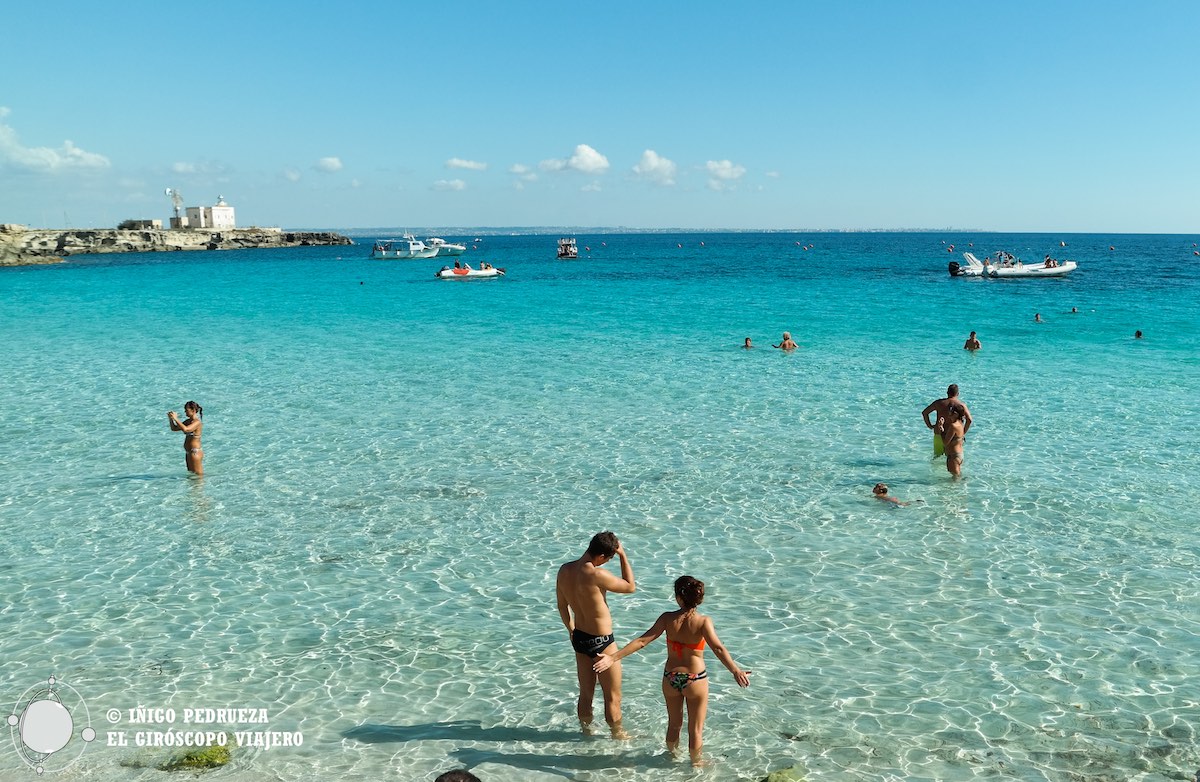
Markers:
point(951, 421)
point(582, 589)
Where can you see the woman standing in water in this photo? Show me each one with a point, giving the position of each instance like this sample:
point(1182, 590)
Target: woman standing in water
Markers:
point(191, 427)
point(685, 679)
point(954, 433)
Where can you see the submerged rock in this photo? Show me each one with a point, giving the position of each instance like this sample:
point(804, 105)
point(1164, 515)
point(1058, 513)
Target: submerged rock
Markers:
point(199, 759)
point(793, 774)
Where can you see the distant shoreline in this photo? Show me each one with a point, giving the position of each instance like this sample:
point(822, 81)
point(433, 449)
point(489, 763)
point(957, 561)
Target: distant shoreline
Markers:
point(20, 246)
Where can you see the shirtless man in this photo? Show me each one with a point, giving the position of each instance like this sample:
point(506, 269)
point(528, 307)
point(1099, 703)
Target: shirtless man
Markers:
point(583, 606)
point(787, 343)
point(939, 407)
point(972, 342)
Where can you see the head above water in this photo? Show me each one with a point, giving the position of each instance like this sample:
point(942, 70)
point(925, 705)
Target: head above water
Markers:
point(191, 408)
point(880, 488)
point(690, 591)
point(604, 544)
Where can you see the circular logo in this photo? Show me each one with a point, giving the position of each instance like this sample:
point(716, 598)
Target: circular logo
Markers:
point(42, 725)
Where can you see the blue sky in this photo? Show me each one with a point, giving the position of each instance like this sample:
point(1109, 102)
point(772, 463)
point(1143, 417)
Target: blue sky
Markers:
point(1015, 116)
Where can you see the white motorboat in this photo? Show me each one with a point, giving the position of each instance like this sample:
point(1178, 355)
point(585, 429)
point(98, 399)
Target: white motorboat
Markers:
point(974, 267)
point(1002, 265)
point(567, 249)
point(445, 248)
point(465, 272)
point(408, 248)
point(1049, 268)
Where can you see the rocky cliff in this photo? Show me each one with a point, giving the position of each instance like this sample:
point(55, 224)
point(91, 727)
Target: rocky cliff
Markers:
point(21, 245)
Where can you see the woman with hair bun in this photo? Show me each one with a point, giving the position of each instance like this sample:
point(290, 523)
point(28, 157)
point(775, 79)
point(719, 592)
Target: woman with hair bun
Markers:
point(191, 427)
point(685, 680)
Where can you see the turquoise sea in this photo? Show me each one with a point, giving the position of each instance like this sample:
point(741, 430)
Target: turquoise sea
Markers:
point(397, 465)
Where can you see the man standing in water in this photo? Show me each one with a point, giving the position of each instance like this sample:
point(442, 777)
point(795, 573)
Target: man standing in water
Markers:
point(940, 407)
point(582, 589)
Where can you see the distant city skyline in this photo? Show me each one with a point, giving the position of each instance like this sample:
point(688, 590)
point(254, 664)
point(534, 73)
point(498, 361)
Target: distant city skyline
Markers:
point(1067, 117)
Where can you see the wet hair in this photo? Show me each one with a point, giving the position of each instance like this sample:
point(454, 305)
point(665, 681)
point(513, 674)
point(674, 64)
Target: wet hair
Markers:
point(457, 775)
point(958, 410)
point(190, 405)
point(604, 544)
point(952, 390)
point(878, 487)
point(690, 591)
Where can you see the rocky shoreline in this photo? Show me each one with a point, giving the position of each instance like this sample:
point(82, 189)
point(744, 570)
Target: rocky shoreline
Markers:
point(20, 245)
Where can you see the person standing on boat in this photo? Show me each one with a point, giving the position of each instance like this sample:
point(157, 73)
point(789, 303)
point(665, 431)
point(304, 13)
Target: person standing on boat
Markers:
point(582, 588)
point(972, 343)
point(939, 408)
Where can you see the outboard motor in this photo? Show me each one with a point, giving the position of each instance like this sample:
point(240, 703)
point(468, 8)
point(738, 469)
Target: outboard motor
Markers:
point(954, 267)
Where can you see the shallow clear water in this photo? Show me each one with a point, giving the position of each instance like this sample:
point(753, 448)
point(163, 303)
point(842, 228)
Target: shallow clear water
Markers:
point(396, 466)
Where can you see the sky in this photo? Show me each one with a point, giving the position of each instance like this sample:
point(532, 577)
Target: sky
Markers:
point(1015, 116)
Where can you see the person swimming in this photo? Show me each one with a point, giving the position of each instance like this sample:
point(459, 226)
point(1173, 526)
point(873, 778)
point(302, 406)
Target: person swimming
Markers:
point(880, 490)
point(787, 343)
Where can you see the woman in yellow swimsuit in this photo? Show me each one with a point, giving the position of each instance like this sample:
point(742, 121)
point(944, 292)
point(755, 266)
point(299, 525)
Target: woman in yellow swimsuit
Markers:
point(192, 426)
point(685, 679)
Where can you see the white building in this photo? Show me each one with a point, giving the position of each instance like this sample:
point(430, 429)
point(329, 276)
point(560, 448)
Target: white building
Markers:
point(219, 217)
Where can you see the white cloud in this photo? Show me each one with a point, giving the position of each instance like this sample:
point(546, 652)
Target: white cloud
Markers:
point(585, 159)
point(449, 184)
point(594, 187)
point(355, 183)
point(291, 175)
point(44, 159)
point(772, 174)
point(656, 169)
point(522, 172)
point(723, 174)
point(470, 165)
point(329, 164)
point(183, 168)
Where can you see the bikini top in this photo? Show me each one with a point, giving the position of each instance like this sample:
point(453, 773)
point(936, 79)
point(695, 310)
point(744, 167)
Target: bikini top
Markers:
point(678, 646)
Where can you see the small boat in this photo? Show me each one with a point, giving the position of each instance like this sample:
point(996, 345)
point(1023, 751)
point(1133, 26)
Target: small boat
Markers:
point(1005, 265)
point(408, 248)
point(467, 273)
point(445, 248)
point(974, 267)
point(567, 249)
point(1048, 268)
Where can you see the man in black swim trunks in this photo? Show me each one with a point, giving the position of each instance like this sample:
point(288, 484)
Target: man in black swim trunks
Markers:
point(582, 589)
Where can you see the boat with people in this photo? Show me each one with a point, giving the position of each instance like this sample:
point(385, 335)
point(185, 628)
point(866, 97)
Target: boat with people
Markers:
point(567, 249)
point(1005, 265)
point(445, 248)
point(465, 272)
point(408, 248)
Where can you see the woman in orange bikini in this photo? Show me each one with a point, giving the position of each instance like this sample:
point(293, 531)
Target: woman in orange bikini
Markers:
point(685, 679)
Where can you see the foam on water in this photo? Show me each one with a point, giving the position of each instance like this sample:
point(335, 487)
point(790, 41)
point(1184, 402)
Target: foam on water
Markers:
point(397, 465)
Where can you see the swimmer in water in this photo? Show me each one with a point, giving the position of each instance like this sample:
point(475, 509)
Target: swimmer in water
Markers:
point(881, 493)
